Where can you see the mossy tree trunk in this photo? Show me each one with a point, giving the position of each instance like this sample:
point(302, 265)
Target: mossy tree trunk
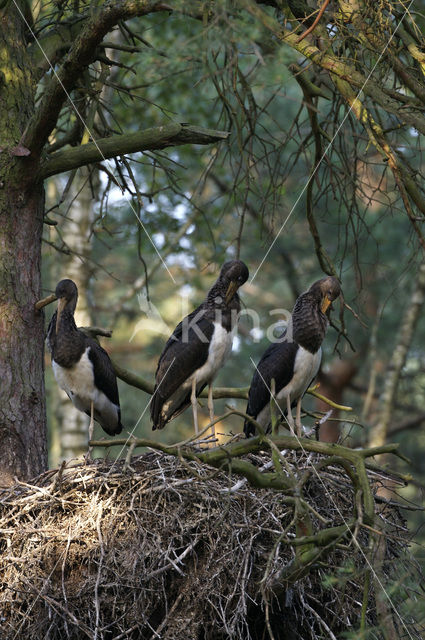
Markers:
point(22, 405)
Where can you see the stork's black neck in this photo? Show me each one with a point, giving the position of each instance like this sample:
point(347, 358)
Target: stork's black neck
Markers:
point(309, 324)
point(68, 343)
point(216, 307)
point(216, 297)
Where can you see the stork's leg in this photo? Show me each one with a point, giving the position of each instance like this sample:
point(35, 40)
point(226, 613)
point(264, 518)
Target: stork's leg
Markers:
point(289, 417)
point(211, 408)
point(91, 425)
point(194, 405)
point(298, 418)
point(91, 429)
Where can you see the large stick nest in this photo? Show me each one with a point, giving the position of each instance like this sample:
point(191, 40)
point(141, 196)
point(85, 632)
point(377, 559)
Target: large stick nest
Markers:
point(175, 550)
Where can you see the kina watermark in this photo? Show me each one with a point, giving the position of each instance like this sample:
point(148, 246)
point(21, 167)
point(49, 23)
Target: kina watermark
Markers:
point(275, 326)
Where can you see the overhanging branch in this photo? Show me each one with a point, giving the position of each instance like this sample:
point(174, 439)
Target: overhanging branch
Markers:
point(169, 135)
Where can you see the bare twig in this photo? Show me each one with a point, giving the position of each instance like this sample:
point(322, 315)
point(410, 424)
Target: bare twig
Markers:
point(312, 27)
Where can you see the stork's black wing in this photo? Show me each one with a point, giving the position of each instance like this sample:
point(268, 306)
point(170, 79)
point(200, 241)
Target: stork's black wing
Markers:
point(186, 350)
point(276, 363)
point(104, 375)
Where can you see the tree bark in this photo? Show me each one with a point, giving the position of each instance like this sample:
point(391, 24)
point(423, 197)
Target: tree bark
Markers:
point(22, 404)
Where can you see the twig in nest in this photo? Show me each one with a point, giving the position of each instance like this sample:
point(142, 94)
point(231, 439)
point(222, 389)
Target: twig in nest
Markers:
point(323, 419)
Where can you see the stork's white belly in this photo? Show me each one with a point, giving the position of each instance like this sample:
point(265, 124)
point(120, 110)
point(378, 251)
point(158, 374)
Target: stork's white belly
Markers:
point(306, 366)
point(219, 350)
point(77, 381)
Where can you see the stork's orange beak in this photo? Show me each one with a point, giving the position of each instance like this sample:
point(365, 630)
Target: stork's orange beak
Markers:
point(45, 301)
point(61, 306)
point(325, 304)
point(231, 290)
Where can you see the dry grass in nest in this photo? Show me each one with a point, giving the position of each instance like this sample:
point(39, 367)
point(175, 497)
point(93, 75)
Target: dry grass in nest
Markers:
point(176, 550)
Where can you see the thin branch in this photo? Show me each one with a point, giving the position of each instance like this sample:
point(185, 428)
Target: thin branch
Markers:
point(407, 328)
point(312, 27)
point(331, 403)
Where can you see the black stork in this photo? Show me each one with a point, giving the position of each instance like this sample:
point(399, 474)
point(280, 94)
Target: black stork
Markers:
point(294, 360)
point(81, 367)
point(197, 349)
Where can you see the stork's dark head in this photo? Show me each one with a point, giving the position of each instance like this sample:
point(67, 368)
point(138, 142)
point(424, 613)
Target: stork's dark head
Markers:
point(67, 294)
point(233, 275)
point(325, 291)
point(309, 322)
